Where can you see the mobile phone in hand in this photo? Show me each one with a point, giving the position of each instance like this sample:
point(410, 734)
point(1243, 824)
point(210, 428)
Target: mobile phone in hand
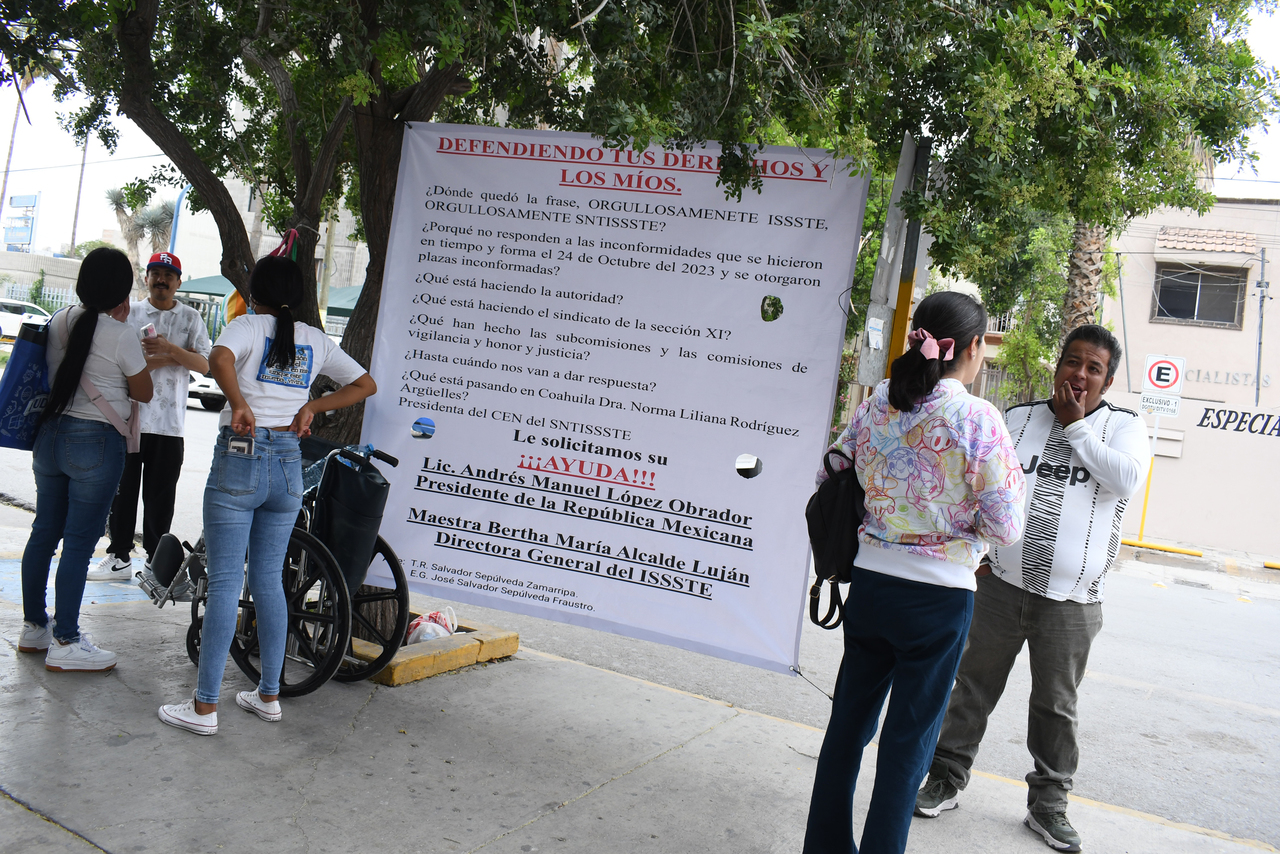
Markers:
point(149, 331)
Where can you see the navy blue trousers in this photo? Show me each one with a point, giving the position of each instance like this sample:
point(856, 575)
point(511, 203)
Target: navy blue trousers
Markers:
point(903, 634)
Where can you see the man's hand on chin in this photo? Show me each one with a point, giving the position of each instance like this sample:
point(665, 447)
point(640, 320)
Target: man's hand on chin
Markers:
point(1066, 406)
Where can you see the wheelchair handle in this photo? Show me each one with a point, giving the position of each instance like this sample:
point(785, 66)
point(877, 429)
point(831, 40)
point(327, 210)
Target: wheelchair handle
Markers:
point(359, 458)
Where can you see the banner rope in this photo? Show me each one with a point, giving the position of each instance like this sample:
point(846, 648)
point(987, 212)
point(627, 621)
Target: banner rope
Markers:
point(796, 671)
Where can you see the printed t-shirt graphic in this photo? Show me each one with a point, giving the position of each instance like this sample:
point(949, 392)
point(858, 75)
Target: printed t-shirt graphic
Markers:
point(297, 375)
point(276, 395)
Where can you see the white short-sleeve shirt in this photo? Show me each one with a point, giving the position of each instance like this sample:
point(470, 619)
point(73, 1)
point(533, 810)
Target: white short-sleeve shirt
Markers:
point(114, 356)
point(274, 394)
point(166, 414)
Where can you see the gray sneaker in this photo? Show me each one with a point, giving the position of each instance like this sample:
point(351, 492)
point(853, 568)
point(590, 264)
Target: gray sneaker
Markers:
point(1056, 830)
point(936, 796)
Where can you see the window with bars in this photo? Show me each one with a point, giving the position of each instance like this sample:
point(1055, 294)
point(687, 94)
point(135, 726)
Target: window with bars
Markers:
point(1201, 296)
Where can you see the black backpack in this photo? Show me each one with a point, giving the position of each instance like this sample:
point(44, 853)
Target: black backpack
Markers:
point(834, 513)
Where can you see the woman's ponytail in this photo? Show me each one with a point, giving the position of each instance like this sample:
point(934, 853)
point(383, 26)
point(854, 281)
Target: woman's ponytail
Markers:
point(947, 315)
point(276, 282)
point(104, 281)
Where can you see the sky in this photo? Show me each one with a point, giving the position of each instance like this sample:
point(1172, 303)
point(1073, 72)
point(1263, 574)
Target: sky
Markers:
point(46, 160)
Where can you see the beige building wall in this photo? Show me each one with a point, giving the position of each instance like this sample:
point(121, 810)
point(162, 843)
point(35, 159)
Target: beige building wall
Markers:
point(1216, 463)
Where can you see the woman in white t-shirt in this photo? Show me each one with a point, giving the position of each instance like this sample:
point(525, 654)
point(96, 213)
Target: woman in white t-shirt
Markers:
point(265, 364)
point(78, 455)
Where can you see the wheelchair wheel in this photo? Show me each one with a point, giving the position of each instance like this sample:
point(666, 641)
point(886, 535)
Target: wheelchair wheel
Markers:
point(379, 617)
point(319, 627)
point(193, 640)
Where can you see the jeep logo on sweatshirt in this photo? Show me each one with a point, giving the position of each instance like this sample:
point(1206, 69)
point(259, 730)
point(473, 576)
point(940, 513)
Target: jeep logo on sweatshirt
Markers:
point(1071, 474)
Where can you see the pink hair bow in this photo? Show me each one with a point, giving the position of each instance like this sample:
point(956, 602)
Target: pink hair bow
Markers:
point(931, 347)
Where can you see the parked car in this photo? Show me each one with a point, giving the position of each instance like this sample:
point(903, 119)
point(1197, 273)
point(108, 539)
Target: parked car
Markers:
point(203, 388)
point(14, 313)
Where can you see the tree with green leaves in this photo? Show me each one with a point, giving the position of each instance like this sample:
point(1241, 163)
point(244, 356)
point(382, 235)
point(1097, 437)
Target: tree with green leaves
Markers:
point(1029, 349)
point(266, 91)
point(1096, 111)
point(222, 91)
point(1089, 109)
point(1084, 109)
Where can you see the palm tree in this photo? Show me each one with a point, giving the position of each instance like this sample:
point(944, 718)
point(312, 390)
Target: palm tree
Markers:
point(1084, 273)
point(131, 231)
point(1089, 249)
point(157, 221)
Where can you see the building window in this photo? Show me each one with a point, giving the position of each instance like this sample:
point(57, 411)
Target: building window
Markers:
point(1200, 296)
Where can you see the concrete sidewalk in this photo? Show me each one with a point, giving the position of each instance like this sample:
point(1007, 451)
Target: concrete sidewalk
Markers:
point(536, 753)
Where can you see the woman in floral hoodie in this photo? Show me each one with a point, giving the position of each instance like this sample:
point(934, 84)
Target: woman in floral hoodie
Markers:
point(942, 481)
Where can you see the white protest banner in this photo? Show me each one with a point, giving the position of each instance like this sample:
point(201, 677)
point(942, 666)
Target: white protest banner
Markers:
point(575, 347)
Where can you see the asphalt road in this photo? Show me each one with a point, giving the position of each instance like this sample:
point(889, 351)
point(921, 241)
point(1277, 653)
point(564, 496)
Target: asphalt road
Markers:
point(1180, 711)
point(18, 487)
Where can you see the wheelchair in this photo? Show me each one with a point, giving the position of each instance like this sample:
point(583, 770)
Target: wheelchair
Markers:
point(339, 627)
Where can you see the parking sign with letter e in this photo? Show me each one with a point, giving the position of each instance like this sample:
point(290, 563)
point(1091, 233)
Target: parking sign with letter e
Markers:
point(1164, 374)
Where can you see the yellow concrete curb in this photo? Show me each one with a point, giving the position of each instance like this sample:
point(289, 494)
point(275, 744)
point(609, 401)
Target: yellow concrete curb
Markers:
point(472, 643)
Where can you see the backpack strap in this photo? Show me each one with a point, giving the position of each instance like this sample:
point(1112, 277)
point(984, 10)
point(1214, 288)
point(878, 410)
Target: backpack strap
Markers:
point(835, 607)
point(131, 429)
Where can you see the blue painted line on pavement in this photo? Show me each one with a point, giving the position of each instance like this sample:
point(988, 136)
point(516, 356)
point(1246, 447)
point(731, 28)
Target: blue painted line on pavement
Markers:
point(95, 592)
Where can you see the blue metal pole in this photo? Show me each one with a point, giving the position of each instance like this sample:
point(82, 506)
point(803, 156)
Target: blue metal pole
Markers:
point(177, 209)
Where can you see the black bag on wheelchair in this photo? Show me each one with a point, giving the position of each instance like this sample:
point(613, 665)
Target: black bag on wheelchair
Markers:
point(349, 505)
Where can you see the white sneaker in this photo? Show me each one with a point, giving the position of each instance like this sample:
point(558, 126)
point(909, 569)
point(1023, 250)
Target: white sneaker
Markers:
point(250, 701)
point(111, 568)
point(35, 638)
point(80, 654)
point(184, 716)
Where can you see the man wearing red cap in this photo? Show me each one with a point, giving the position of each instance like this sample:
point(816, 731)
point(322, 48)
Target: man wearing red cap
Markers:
point(175, 341)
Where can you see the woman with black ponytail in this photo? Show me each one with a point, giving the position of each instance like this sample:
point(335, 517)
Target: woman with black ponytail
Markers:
point(942, 481)
point(97, 365)
point(265, 363)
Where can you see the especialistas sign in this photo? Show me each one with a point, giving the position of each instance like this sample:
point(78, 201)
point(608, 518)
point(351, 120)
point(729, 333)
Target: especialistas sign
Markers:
point(575, 347)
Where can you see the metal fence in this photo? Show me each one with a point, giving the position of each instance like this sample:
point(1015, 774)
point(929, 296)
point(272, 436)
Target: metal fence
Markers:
point(51, 298)
point(1000, 323)
point(335, 325)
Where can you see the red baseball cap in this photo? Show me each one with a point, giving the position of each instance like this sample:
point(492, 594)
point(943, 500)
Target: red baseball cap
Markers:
point(166, 259)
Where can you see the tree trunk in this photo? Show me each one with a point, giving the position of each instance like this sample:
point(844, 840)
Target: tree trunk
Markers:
point(1084, 273)
point(255, 230)
point(134, 35)
point(309, 311)
point(379, 133)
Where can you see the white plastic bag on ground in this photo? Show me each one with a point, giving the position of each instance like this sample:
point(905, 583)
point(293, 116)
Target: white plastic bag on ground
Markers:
point(437, 624)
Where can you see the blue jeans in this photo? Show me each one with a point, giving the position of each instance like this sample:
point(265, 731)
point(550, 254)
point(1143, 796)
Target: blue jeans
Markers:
point(250, 505)
point(77, 464)
point(908, 635)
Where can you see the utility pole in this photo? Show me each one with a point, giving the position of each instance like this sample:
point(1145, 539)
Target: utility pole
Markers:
point(1263, 296)
point(1124, 323)
point(331, 223)
point(75, 218)
point(4, 187)
point(177, 211)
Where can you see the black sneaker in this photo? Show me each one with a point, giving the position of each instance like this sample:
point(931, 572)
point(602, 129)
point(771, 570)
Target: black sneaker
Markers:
point(1056, 830)
point(936, 796)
